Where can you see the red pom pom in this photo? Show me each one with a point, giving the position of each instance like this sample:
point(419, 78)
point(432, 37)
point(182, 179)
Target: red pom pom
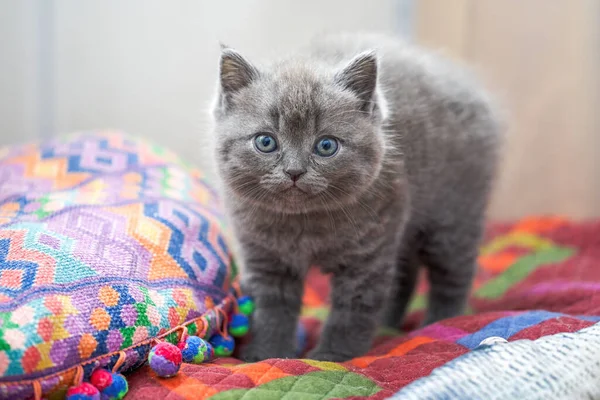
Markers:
point(101, 378)
point(84, 391)
point(168, 351)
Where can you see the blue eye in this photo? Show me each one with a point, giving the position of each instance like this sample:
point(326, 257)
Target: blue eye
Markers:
point(326, 147)
point(265, 143)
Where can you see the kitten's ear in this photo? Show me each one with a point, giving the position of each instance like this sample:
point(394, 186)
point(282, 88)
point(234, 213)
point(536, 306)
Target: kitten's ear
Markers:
point(235, 72)
point(360, 76)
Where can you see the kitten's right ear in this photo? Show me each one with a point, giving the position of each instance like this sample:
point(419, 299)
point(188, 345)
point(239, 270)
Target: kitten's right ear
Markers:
point(235, 72)
point(360, 76)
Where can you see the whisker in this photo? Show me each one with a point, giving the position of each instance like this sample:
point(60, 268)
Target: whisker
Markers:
point(329, 214)
point(358, 201)
point(345, 212)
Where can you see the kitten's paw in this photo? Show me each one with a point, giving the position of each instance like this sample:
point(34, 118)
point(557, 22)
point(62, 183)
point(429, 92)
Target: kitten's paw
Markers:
point(324, 355)
point(254, 353)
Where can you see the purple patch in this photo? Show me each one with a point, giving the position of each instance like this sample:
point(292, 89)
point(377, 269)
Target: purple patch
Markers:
point(49, 241)
point(114, 341)
point(163, 367)
point(129, 314)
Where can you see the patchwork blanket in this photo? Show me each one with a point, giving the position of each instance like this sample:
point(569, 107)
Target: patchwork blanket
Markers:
point(538, 287)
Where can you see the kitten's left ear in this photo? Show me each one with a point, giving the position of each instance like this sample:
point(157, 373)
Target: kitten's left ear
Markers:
point(360, 76)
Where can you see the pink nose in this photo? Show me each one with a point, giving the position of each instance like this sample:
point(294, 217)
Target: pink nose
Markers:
point(295, 174)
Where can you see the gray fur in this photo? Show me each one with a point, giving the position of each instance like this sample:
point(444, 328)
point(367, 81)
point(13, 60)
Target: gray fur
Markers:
point(408, 186)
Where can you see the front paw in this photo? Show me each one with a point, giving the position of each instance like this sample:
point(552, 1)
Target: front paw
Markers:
point(328, 355)
point(256, 352)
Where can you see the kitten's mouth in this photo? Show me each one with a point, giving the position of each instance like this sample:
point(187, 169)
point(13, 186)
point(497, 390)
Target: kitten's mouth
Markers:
point(294, 189)
point(295, 195)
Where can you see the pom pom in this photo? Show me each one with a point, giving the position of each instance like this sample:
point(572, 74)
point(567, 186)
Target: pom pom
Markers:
point(239, 325)
point(165, 359)
point(246, 305)
point(195, 350)
point(101, 379)
point(223, 345)
point(85, 391)
point(111, 386)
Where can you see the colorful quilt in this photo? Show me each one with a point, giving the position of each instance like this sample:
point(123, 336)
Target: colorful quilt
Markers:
point(539, 277)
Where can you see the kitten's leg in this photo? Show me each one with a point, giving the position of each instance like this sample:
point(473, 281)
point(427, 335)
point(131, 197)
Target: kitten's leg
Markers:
point(450, 253)
point(406, 273)
point(277, 292)
point(358, 294)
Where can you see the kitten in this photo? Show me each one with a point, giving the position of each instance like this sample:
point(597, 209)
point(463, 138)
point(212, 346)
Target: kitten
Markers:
point(366, 157)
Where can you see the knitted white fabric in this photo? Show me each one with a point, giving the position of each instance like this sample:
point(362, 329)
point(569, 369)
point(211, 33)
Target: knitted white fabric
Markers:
point(560, 366)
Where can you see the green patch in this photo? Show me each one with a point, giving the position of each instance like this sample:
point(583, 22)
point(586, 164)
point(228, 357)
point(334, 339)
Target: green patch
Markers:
point(238, 331)
point(127, 336)
point(59, 393)
point(387, 331)
point(172, 338)
point(319, 313)
point(521, 239)
point(142, 319)
point(521, 269)
point(318, 385)
point(147, 298)
point(418, 303)
point(164, 180)
point(209, 328)
point(325, 365)
point(6, 323)
point(234, 269)
point(39, 212)
point(192, 329)
point(158, 150)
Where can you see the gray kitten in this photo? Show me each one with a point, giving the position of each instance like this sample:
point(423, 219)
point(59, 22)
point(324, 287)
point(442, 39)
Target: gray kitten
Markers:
point(366, 157)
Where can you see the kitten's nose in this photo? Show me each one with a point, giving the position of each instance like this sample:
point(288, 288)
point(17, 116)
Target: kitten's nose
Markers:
point(295, 173)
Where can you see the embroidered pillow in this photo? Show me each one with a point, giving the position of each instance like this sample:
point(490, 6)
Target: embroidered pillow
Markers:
point(106, 243)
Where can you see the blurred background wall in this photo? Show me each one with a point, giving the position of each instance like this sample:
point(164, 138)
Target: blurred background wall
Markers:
point(542, 59)
point(149, 67)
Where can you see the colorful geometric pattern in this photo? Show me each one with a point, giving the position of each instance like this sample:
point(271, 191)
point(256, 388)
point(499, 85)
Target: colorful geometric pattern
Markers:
point(538, 277)
point(105, 242)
